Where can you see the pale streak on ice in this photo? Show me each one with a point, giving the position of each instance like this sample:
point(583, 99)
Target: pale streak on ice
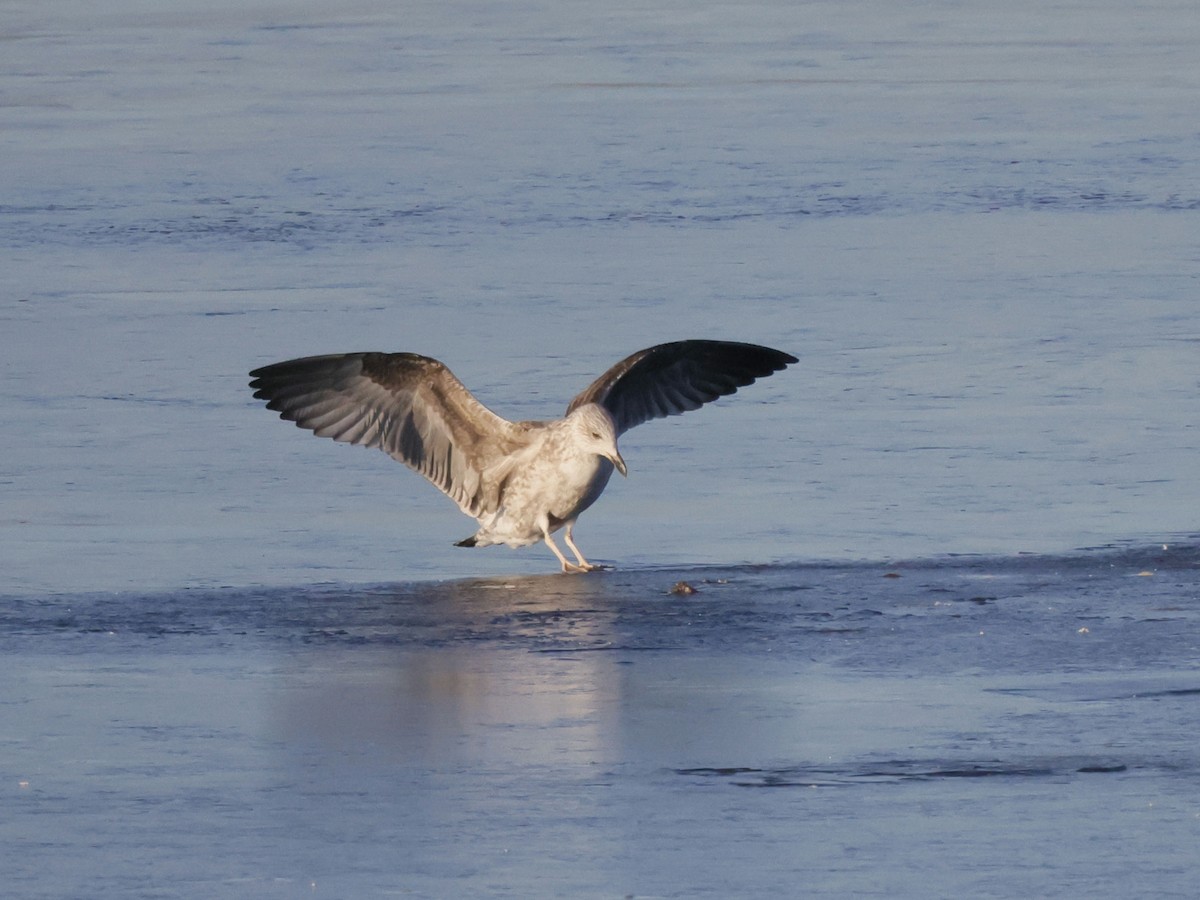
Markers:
point(521, 481)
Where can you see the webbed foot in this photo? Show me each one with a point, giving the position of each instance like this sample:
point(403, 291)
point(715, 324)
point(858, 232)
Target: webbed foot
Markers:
point(577, 568)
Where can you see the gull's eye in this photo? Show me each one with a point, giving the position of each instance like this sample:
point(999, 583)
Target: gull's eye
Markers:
point(596, 435)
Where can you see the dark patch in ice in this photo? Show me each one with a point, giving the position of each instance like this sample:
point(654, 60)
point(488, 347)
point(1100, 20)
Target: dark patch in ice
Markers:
point(897, 771)
point(1042, 612)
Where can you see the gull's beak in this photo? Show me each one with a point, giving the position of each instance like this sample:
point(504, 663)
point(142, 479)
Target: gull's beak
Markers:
point(616, 460)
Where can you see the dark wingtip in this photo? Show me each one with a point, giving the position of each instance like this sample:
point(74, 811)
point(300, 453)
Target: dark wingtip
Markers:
point(771, 356)
point(777, 359)
point(757, 353)
point(466, 542)
point(758, 360)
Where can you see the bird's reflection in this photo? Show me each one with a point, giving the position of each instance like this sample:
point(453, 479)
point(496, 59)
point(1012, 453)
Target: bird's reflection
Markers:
point(459, 673)
point(545, 671)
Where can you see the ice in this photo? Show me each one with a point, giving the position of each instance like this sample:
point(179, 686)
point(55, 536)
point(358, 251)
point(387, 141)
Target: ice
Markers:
point(974, 225)
point(976, 231)
point(972, 727)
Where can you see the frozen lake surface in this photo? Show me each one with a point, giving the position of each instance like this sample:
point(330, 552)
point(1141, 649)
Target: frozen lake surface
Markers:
point(970, 728)
point(247, 662)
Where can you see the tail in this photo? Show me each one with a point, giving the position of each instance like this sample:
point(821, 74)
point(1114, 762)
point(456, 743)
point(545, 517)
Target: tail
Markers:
point(466, 542)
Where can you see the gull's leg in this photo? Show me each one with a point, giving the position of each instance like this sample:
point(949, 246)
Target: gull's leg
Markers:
point(566, 566)
point(568, 538)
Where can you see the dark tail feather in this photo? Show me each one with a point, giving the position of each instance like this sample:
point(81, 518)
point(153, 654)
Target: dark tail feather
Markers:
point(466, 542)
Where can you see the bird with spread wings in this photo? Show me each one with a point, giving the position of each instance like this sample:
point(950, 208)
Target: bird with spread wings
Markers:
point(522, 481)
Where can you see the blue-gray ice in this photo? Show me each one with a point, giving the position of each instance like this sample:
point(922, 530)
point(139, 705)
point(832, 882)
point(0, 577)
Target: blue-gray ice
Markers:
point(974, 224)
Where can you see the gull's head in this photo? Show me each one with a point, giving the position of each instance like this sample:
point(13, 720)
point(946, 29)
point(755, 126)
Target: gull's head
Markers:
point(596, 432)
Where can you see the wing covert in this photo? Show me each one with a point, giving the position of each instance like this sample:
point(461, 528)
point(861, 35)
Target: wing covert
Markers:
point(412, 407)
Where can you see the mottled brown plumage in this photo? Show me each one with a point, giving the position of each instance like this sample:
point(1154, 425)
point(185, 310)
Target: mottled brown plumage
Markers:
point(522, 481)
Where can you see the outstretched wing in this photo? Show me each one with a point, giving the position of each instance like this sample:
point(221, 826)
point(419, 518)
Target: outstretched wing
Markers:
point(411, 407)
point(673, 378)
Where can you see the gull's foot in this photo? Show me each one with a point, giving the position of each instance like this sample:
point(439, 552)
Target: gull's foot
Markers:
point(573, 569)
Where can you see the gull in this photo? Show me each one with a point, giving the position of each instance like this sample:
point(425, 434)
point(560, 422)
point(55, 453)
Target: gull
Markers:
point(522, 481)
